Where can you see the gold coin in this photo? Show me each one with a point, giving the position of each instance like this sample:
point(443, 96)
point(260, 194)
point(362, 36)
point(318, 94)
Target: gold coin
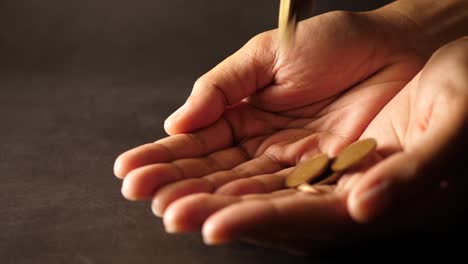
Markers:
point(354, 154)
point(290, 12)
point(286, 22)
point(308, 170)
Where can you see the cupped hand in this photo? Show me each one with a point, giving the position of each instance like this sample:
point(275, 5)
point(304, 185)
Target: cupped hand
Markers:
point(417, 181)
point(251, 119)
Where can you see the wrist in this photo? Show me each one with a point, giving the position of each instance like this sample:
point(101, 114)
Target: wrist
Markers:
point(427, 25)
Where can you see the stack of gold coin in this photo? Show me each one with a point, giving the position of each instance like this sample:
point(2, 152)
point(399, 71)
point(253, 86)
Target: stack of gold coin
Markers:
point(322, 170)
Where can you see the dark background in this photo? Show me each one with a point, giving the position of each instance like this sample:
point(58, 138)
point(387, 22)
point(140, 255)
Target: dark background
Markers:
point(82, 81)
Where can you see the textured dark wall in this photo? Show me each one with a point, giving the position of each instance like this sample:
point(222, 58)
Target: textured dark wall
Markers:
point(165, 36)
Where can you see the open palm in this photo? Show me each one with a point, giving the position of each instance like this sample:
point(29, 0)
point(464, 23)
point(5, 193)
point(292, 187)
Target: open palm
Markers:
point(252, 118)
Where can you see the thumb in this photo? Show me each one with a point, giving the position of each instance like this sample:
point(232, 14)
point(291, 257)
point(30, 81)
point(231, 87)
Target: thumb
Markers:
point(408, 177)
point(436, 160)
point(234, 79)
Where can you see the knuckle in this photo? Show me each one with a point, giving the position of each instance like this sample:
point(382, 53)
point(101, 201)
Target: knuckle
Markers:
point(211, 84)
point(262, 45)
point(261, 39)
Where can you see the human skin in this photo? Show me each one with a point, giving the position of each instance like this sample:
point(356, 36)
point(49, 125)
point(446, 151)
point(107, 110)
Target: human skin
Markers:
point(251, 119)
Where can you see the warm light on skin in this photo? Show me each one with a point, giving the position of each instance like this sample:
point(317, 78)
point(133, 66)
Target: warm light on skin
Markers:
point(360, 76)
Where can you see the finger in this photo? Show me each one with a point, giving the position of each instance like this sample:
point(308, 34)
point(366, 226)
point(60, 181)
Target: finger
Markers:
point(234, 79)
point(143, 182)
point(436, 149)
point(206, 141)
point(258, 184)
point(188, 213)
point(261, 165)
point(315, 217)
point(400, 180)
point(210, 183)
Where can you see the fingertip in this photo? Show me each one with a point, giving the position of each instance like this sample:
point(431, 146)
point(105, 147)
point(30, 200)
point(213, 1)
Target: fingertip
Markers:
point(171, 221)
point(169, 127)
point(202, 109)
point(128, 191)
point(172, 192)
point(128, 161)
point(217, 229)
point(383, 186)
point(173, 127)
point(212, 234)
point(172, 123)
point(124, 164)
point(355, 209)
point(118, 168)
point(157, 208)
point(187, 214)
point(366, 204)
point(234, 221)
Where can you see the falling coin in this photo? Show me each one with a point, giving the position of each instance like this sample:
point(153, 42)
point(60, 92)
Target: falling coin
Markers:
point(290, 12)
point(354, 154)
point(308, 170)
point(286, 22)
